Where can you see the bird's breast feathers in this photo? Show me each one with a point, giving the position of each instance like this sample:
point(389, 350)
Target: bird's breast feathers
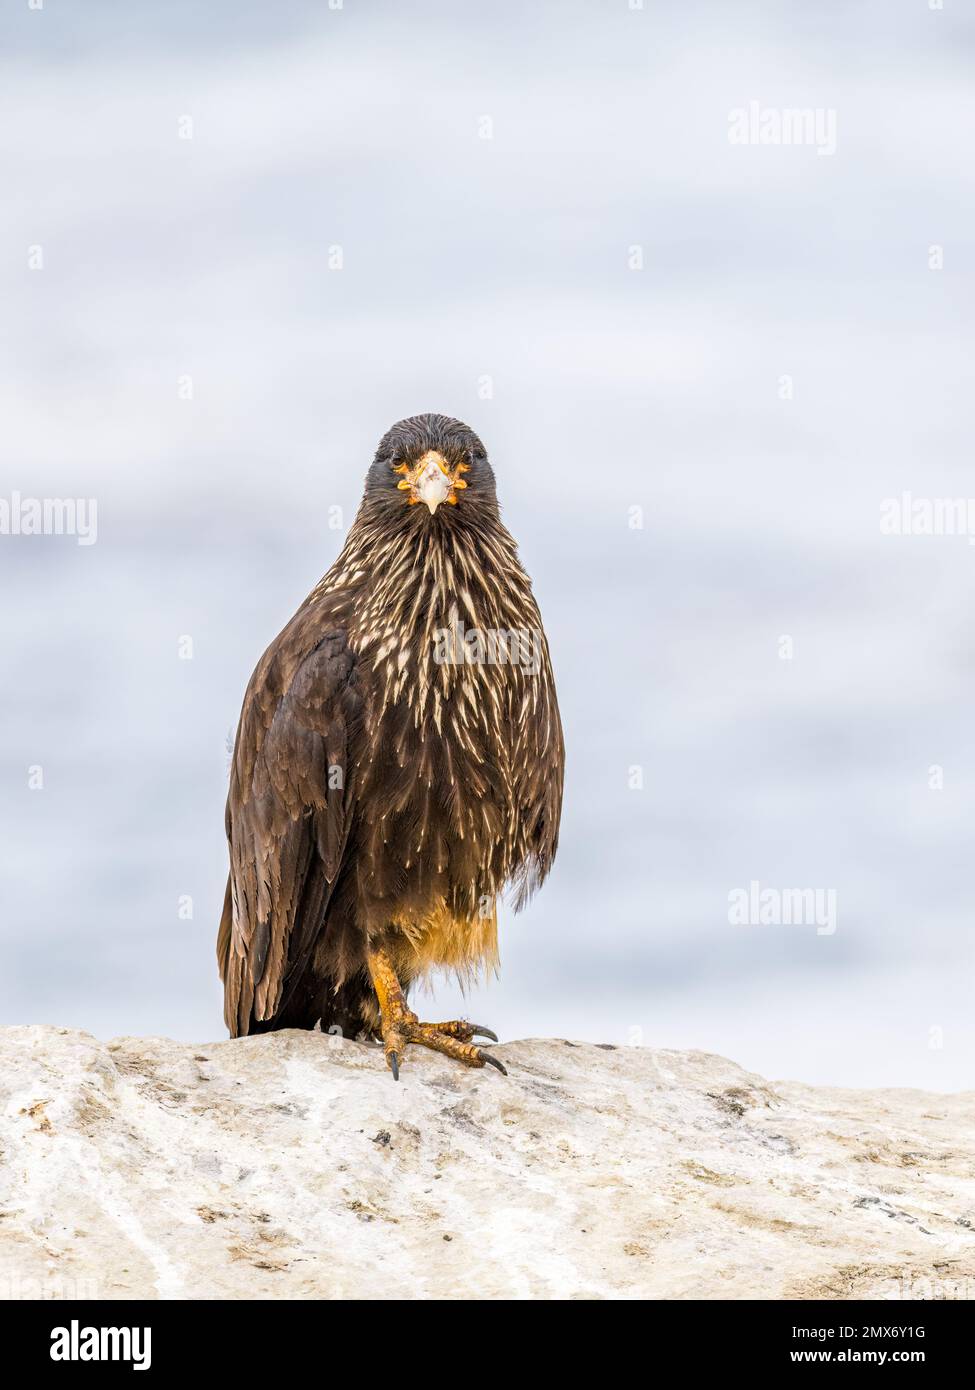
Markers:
point(458, 711)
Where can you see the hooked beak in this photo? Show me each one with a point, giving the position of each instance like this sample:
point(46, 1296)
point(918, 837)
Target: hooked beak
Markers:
point(431, 481)
point(432, 484)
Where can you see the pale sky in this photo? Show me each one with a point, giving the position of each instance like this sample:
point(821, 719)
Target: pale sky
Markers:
point(190, 354)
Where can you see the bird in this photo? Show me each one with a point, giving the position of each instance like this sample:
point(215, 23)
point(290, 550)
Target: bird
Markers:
point(398, 764)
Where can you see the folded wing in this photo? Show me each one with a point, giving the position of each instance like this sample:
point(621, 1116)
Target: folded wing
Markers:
point(288, 819)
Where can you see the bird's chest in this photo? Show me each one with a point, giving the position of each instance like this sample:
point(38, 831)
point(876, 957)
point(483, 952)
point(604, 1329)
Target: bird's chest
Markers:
point(436, 776)
point(441, 719)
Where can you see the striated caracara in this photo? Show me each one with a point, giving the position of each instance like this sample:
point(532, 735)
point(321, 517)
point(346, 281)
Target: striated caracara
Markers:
point(398, 762)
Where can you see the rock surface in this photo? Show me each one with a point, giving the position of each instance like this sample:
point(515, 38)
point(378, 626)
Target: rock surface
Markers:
point(292, 1166)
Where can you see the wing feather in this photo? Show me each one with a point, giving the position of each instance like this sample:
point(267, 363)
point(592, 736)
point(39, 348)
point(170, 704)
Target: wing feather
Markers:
point(288, 816)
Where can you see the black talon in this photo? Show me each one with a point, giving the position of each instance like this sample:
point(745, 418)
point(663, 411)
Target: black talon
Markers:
point(394, 1065)
point(479, 1029)
point(493, 1062)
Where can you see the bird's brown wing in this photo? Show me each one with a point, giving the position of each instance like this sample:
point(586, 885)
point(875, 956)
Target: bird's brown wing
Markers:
point(288, 817)
point(538, 763)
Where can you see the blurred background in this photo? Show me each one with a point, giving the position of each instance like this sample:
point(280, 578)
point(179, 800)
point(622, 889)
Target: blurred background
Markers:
point(238, 242)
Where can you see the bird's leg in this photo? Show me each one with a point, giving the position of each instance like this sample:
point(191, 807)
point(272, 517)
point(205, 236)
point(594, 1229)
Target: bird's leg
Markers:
point(400, 1025)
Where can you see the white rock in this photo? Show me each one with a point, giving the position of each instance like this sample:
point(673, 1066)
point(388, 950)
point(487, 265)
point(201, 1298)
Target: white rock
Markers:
point(292, 1166)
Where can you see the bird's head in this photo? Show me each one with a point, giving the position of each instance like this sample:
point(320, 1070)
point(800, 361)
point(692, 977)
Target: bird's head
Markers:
point(430, 469)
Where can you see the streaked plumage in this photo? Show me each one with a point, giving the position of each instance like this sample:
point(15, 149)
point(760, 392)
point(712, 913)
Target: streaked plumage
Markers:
point(379, 795)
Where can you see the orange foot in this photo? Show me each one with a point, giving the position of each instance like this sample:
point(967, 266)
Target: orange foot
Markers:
point(400, 1025)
